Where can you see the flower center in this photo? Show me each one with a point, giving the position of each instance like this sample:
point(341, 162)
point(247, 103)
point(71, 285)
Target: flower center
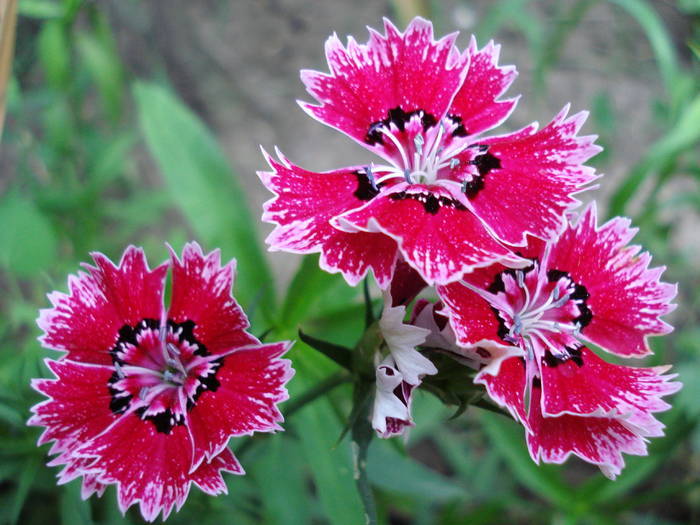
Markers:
point(160, 372)
point(423, 151)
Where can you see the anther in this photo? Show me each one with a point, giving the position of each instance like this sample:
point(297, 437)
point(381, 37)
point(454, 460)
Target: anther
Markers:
point(407, 176)
point(120, 372)
point(143, 393)
point(418, 143)
point(453, 164)
point(521, 278)
point(555, 293)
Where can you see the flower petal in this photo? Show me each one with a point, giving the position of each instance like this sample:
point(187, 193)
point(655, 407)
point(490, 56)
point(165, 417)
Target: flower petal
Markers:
point(476, 103)
point(251, 383)
point(525, 181)
point(402, 340)
point(436, 233)
point(208, 476)
point(202, 294)
point(149, 467)
point(597, 440)
point(391, 413)
point(588, 385)
point(78, 407)
point(86, 322)
point(388, 79)
point(471, 317)
point(507, 387)
point(305, 202)
point(626, 296)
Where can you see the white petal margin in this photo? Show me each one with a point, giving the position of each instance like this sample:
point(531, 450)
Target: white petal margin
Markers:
point(402, 340)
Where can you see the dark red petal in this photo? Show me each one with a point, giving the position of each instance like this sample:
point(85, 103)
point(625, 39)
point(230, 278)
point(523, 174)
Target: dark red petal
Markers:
point(202, 294)
point(86, 322)
point(589, 385)
point(304, 204)
point(409, 71)
point(532, 178)
point(476, 103)
point(436, 233)
point(405, 285)
point(597, 440)
point(627, 297)
point(252, 382)
point(78, 407)
point(149, 467)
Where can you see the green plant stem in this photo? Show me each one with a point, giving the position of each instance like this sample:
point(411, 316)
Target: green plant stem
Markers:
point(362, 434)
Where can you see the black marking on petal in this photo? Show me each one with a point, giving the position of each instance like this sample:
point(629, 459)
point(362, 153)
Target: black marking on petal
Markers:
point(164, 421)
point(572, 353)
point(586, 315)
point(206, 383)
point(187, 334)
point(365, 191)
point(485, 163)
point(399, 118)
point(460, 131)
point(118, 404)
point(472, 187)
point(580, 295)
point(554, 275)
point(497, 285)
point(502, 331)
point(431, 203)
point(398, 392)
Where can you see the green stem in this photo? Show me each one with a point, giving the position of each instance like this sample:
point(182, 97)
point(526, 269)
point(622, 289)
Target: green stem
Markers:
point(362, 435)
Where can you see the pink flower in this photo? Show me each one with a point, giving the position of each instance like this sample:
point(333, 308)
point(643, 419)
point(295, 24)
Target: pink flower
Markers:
point(147, 398)
point(446, 197)
point(585, 286)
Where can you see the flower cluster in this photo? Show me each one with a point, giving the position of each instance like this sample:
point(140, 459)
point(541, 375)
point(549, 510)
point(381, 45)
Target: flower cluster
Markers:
point(524, 281)
point(148, 398)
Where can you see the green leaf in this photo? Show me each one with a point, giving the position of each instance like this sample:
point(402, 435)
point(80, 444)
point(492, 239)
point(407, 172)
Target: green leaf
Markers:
point(99, 55)
point(74, 511)
point(54, 53)
point(201, 183)
point(26, 478)
point(280, 470)
point(339, 354)
point(42, 9)
point(544, 480)
point(28, 243)
point(682, 137)
point(659, 39)
point(394, 472)
point(310, 288)
point(331, 466)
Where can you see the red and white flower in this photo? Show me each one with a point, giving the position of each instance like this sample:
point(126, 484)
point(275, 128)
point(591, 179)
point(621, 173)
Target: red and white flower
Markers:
point(400, 372)
point(588, 285)
point(148, 398)
point(446, 197)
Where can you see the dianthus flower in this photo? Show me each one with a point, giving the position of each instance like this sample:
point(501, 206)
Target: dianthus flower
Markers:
point(147, 398)
point(446, 198)
point(399, 373)
point(587, 285)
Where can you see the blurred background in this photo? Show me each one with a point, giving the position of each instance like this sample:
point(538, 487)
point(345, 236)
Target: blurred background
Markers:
point(140, 122)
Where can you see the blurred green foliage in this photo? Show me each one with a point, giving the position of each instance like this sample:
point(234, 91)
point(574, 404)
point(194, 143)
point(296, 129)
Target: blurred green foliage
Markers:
point(79, 129)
